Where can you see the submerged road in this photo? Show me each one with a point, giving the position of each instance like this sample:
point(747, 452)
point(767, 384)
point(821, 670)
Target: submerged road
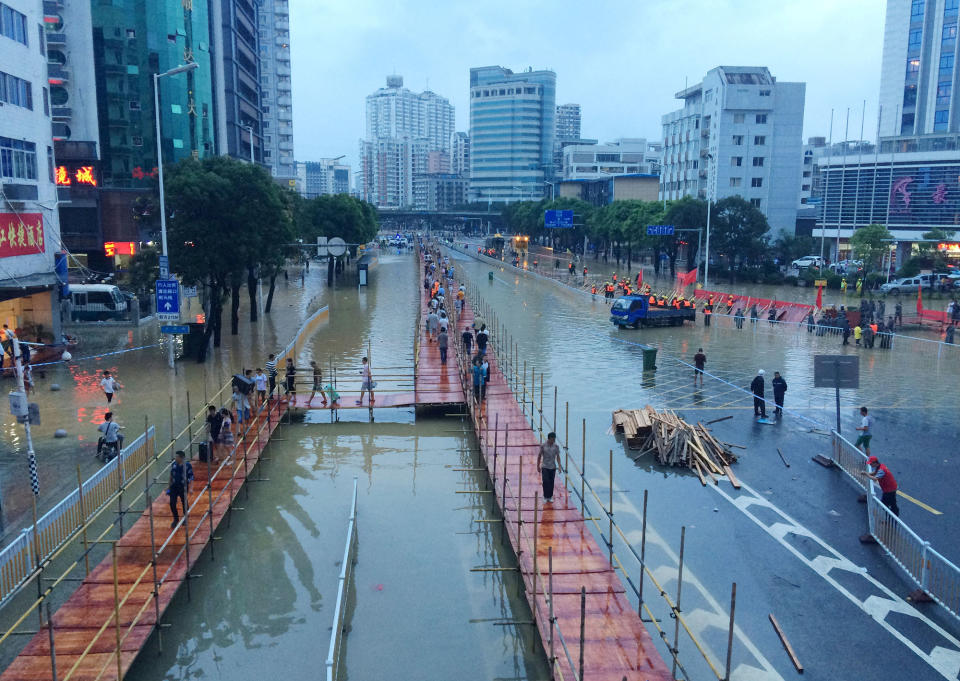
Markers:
point(789, 537)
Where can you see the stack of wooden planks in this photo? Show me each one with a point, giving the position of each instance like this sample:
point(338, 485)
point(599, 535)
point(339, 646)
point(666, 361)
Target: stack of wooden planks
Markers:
point(675, 442)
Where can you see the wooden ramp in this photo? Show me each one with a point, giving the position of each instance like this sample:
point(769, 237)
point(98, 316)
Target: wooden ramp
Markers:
point(436, 384)
point(85, 627)
point(616, 644)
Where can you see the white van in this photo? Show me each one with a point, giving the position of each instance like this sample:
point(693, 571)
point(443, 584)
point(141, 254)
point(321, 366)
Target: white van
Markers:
point(96, 302)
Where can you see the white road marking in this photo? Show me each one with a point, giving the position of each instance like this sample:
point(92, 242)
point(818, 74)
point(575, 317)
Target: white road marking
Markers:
point(946, 661)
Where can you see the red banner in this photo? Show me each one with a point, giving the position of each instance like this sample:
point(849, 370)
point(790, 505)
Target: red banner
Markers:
point(920, 301)
point(21, 234)
point(819, 297)
point(684, 280)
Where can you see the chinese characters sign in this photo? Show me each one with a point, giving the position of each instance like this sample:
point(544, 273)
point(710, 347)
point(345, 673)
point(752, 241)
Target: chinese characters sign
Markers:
point(140, 173)
point(111, 248)
point(21, 234)
point(67, 176)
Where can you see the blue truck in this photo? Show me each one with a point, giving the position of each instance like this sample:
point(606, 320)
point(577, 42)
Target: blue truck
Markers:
point(635, 311)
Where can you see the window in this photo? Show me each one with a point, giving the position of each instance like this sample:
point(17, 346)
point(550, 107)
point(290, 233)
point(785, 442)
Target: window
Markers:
point(916, 10)
point(913, 68)
point(737, 140)
point(946, 62)
point(738, 118)
point(761, 118)
point(50, 164)
point(735, 181)
point(736, 160)
point(15, 91)
point(944, 90)
point(18, 159)
point(805, 188)
point(46, 102)
point(42, 42)
point(940, 120)
point(137, 141)
point(949, 34)
point(13, 24)
point(910, 95)
point(950, 7)
point(756, 182)
point(758, 161)
point(759, 140)
point(755, 203)
point(764, 93)
point(134, 105)
point(914, 42)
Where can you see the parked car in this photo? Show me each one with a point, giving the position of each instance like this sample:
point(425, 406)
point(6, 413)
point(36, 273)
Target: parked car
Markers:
point(808, 261)
point(906, 285)
point(847, 266)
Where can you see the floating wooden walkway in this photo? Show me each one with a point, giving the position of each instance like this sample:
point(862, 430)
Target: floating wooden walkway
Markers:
point(88, 628)
point(616, 644)
point(436, 384)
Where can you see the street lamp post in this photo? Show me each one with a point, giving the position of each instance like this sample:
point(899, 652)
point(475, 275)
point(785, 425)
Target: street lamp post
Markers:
point(163, 209)
point(249, 129)
point(553, 193)
point(706, 264)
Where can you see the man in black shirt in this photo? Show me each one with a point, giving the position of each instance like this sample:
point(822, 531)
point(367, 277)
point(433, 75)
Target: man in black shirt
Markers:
point(779, 389)
point(181, 475)
point(699, 360)
point(756, 387)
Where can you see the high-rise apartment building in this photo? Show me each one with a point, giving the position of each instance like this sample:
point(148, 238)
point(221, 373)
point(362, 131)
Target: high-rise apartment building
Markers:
point(326, 176)
point(512, 133)
point(236, 74)
point(132, 40)
point(408, 134)
point(568, 122)
point(29, 223)
point(919, 72)
point(276, 92)
point(739, 133)
point(460, 154)
point(625, 156)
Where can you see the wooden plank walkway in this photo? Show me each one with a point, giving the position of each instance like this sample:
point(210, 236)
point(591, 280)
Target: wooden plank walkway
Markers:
point(436, 383)
point(79, 623)
point(617, 646)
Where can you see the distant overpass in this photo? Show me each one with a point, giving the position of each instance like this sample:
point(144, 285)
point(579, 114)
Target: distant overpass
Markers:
point(439, 217)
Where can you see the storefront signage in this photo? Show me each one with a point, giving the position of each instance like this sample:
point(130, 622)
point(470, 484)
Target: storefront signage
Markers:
point(21, 234)
point(68, 176)
point(111, 248)
point(949, 248)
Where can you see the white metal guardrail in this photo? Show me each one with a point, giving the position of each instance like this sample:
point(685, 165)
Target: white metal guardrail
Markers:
point(936, 576)
point(343, 581)
point(23, 556)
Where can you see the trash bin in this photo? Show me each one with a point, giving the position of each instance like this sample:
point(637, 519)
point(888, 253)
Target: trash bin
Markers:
point(193, 340)
point(490, 276)
point(649, 357)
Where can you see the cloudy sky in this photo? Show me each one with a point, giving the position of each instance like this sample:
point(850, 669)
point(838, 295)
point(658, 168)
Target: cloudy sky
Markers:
point(621, 60)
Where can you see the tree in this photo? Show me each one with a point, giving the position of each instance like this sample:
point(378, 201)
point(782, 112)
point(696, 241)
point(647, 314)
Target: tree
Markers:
point(228, 217)
point(686, 213)
point(789, 248)
point(143, 271)
point(868, 244)
point(738, 231)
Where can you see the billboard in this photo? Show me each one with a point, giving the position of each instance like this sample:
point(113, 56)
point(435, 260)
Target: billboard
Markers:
point(558, 219)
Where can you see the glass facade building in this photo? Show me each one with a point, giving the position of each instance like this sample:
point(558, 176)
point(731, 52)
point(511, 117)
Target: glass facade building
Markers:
point(133, 39)
point(512, 131)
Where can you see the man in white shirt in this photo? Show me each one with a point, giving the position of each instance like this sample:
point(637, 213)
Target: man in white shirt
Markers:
point(109, 385)
point(367, 382)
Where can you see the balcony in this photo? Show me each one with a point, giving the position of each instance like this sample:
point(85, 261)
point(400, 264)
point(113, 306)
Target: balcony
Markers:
point(58, 72)
point(56, 38)
point(62, 113)
point(282, 24)
point(284, 101)
point(285, 146)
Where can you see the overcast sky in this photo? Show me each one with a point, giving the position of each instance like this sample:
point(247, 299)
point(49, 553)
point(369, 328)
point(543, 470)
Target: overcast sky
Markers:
point(621, 60)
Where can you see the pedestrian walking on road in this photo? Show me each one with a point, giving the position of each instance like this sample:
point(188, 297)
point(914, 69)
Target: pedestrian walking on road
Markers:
point(111, 441)
point(866, 430)
point(699, 360)
point(109, 385)
point(181, 475)
point(779, 390)
point(739, 317)
point(846, 333)
point(548, 461)
point(753, 314)
point(757, 388)
point(857, 334)
point(367, 383)
point(898, 314)
point(881, 475)
point(442, 345)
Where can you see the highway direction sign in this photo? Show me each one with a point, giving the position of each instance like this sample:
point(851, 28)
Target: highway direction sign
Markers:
point(558, 219)
point(168, 300)
point(660, 230)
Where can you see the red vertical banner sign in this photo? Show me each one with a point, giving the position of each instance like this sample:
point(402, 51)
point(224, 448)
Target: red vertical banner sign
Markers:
point(21, 234)
point(920, 301)
point(819, 305)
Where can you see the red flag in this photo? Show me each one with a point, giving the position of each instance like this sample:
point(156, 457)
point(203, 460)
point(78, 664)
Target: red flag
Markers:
point(819, 297)
point(920, 301)
point(684, 280)
point(639, 278)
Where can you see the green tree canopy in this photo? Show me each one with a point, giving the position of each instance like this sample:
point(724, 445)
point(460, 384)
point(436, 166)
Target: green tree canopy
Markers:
point(738, 230)
point(868, 244)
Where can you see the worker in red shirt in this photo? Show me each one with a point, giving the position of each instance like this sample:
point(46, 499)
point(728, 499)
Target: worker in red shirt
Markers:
point(881, 475)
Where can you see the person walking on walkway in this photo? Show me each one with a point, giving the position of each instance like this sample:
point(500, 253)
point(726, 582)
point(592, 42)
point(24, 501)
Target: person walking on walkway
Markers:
point(779, 390)
point(442, 345)
point(467, 340)
point(317, 384)
point(857, 333)
point(881, 475)
point(260, 382)
point(757, 387)
point(753, 314)
point(548, 461)
point(433, 323)
point(866, 430)
point(367, 383)
point(810, 322)
point(482, 337)
point(213, 424)
point(699, 360)
point(290, 380)
point(109, 385)
point(846, 332)
point(272, 373)
point(181, 475)
point(478, 379)
point(226, 434)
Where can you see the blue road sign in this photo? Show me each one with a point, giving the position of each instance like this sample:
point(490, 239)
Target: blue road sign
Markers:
point(180, 329)
point(660, 230)
point(558, 219)
point(164, 267)
point(168, 300)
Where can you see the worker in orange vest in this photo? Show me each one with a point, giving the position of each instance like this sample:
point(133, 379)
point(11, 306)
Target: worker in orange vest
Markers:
point(707, 312)
point(593, 289)
point(609, 290)
point(614, 277)
point(626, 289)
point(730, 302)
point(652, 301)
point(584, 271)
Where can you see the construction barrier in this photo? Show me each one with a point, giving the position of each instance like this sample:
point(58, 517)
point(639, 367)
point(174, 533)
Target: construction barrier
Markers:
point(933, 574)
point(343, 582)
point(22, 558)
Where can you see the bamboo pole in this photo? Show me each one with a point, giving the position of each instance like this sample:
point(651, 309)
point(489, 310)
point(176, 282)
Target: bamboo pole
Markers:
point(583, 467)
point(583, 627)
point(566, 443)
point(643, 555)
point(53, 646)
point(83, 521)
point(536, 533)
point(541, 405)
point(523, 402)
point(733, 608)
point(116, 609)
point(553, 424)
point(676, 626)
point(153, 562)
point(550, 586)
point(610, 511)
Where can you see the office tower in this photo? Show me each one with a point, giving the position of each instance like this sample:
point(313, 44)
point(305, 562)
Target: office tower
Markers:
point(568, 122)
point(460, 154)
point(276, 93)
point(512, 131)
point(918, 90)
point(622, 157)
point(407, 134)
point(739, 133)
point(236, 73)
point(132, 40)
point(326, 176)
point(29, 223)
